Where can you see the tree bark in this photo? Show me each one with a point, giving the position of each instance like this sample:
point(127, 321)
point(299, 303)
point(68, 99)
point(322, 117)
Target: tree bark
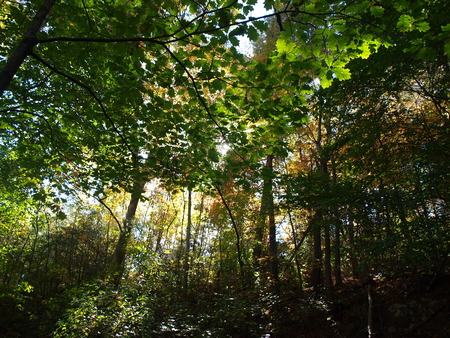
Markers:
point(351, 241)
point(25, 46)
point(328, 281)
point(267, 218)
point(337, 255)
point(125, 232)
point(296, 248)
point(370, 311)
point(328, 274)
point(270, 209)
point(188, 245)
point(316, 274)
point(259, 238)
point(337, 232)
point(324, 173)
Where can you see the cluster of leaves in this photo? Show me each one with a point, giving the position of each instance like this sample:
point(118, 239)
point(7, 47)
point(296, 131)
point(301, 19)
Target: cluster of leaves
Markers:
point(100, 309)
point(115, 94)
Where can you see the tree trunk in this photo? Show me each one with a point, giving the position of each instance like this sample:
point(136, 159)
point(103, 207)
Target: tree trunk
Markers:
point(25, 46)
point(296, 248)
point(370, 311)
point(328, 274)
point(337, 233)
point(351, 240)
point(270, 209)
point(323, 169)
point(337, 255)
point(188, 246)
point(236, 231)
point(259, 239)
point(267, 215)
point(125, 232)
point(316, 274)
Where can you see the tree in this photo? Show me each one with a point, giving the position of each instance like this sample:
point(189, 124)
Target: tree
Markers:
point(187, 254)
point(133, 102)
point(26, 45)
point(376, 116)
point(119, 49)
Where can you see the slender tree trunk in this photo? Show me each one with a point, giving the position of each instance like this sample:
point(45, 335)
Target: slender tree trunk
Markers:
point(25, 46)
point(125, 232)
point(270, 209)
point(351, 239)
point(337, 233)
point(296, 248)
point(316, 274)
point(317, 220)
point(236, 231)
point(188, 245)
point(370, 311)
point(267, 217)
point(323, 170)
point(328, 281)
point(328, 275)
point(180, 253)
point(337, 255)
point(259, 239)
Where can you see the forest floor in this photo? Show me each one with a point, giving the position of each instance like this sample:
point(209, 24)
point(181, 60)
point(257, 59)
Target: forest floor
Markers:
point(408, 306)
point(412, 306)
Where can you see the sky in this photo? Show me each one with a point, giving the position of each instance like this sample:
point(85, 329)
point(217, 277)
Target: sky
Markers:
point(245, 46)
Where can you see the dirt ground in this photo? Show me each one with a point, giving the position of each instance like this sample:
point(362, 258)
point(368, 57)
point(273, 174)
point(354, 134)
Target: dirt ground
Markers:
point(411, 306)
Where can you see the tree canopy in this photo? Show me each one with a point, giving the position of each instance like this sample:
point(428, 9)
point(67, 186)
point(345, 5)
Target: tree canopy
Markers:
point(151, 167)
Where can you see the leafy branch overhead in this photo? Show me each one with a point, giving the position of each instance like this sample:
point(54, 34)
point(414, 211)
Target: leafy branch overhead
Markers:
point(144, 78)
point(192, 168)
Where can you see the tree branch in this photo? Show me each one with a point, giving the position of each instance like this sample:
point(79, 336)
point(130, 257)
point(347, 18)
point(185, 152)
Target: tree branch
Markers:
point(100, 103)
point(25, 46)
point(110, 212)
point(203, 102)
point(236, 230)
point(158, 39)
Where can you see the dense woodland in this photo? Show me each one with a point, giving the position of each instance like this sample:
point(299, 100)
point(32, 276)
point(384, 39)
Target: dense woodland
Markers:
point(160, 180)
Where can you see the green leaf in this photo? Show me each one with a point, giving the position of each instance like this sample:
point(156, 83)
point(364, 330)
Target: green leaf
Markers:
point(377, 11)
point(214, 155)
point(217, 85)
point(326, 81)
point(405, 23)
point(426, 53)
point(234, 40)
point(447, 47)
point(277, 5)
point(238, 31)
point(342, 73)
point(261, 25)
point(224, 18)
point(422, 26)
point(268, 4)
point(61, 215)
point(365, 50)
point(253, 34)
point(446, 28)
point(357, 7)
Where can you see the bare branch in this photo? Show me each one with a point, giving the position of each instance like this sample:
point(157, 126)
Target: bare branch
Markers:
point(110, 212)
